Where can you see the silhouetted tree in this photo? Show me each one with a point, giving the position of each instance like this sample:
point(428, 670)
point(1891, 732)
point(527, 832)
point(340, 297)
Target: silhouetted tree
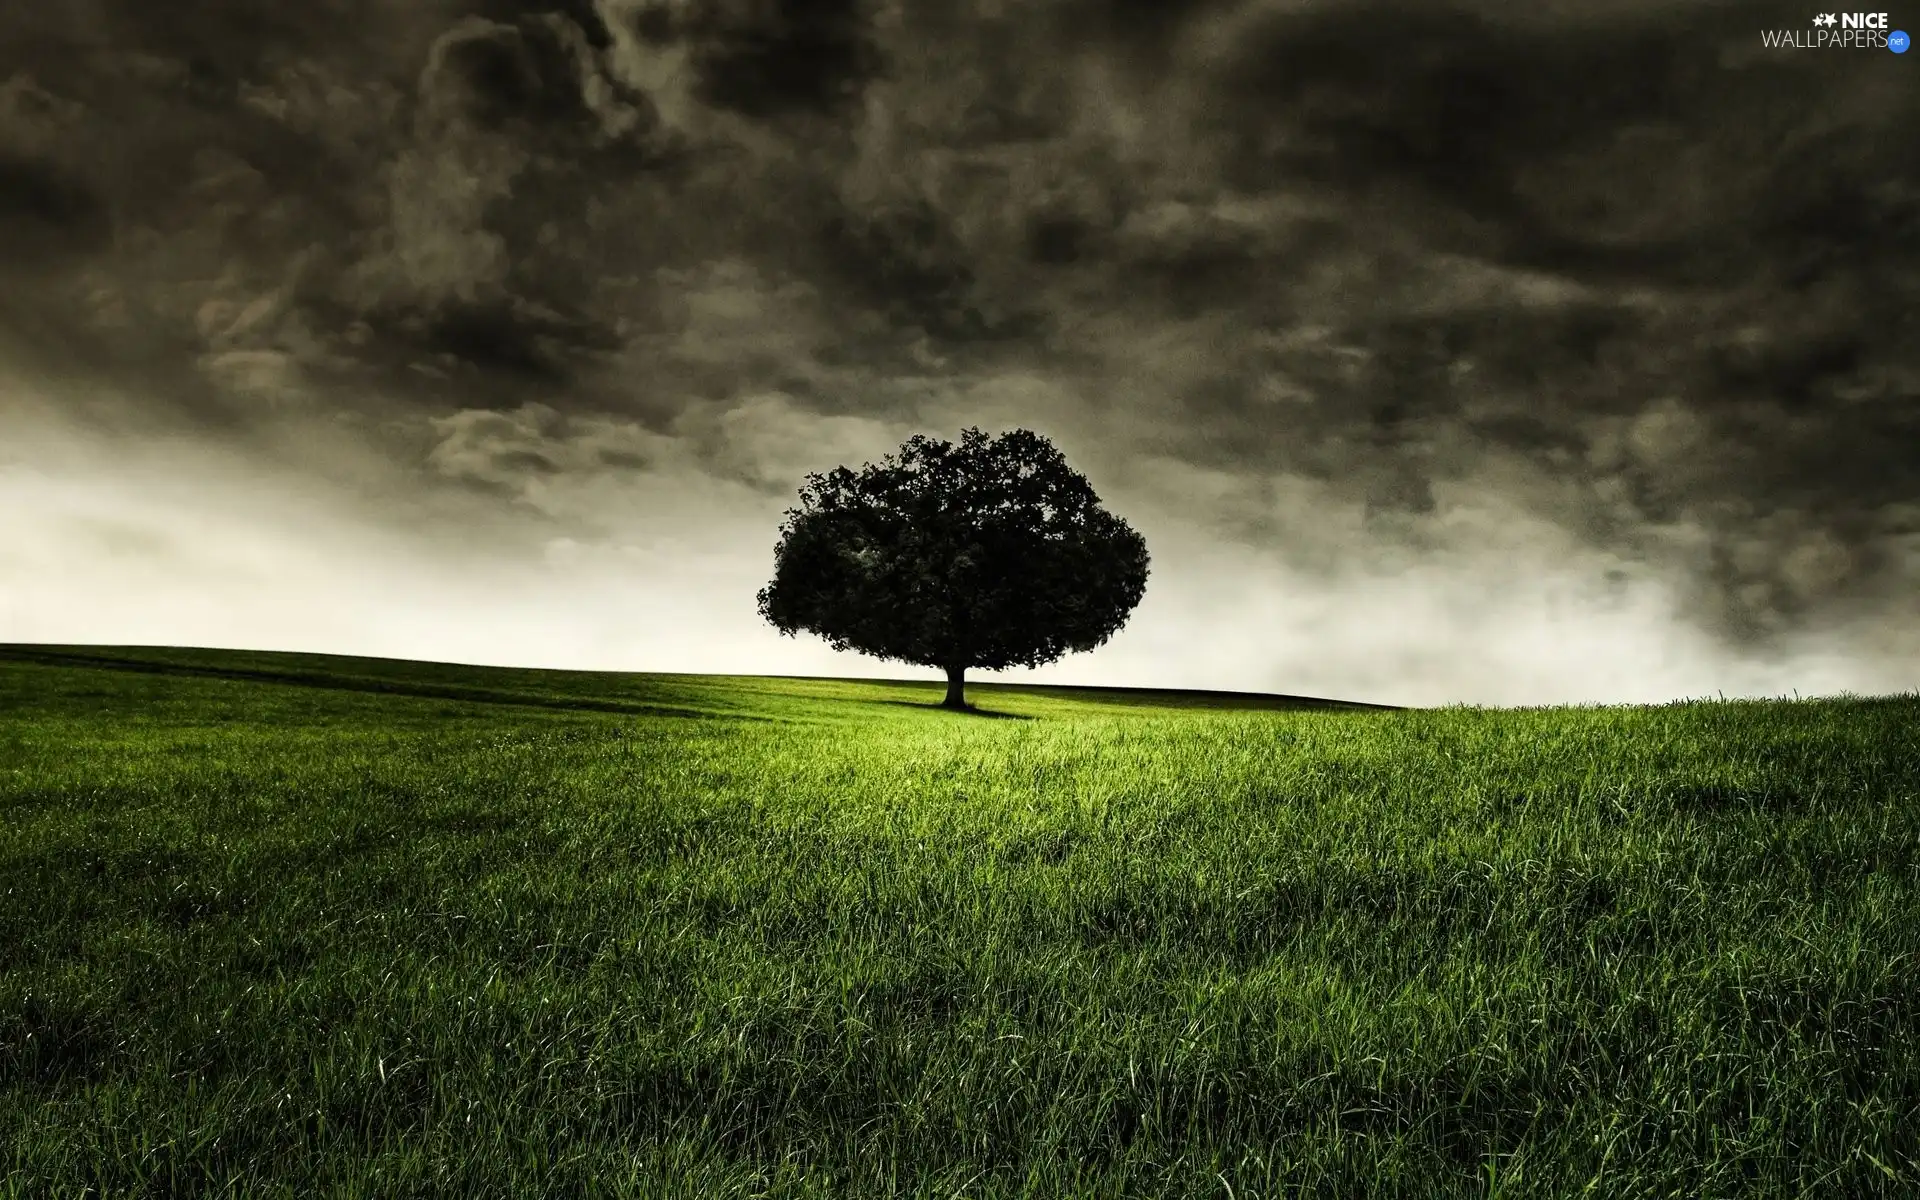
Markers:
point(992, 553)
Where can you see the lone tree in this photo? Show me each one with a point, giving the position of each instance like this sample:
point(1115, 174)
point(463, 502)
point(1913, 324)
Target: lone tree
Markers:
point(992, 554)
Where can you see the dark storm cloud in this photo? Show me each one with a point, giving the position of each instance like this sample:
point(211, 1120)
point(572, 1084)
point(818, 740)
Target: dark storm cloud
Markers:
point(44, 212)
point(583, 15)
point(767, 59)
point(358, 140)
point(1611, 263)
point(1731, 243)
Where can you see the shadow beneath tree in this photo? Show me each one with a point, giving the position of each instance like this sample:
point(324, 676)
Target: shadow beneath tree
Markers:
point(968, 711)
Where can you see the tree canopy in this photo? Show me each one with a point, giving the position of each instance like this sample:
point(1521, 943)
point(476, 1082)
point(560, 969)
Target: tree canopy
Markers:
point(989, 553)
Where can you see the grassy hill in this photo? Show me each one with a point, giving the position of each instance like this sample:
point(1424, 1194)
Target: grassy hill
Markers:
point(297, 925)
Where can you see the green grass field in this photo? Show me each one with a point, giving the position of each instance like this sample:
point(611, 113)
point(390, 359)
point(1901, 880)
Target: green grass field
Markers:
point(304, 926)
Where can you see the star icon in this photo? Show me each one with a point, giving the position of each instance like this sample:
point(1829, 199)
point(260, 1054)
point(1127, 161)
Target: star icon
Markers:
point(1825, 19)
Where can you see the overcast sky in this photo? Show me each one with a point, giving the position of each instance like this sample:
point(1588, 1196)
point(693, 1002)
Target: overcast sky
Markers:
point(1489, 353)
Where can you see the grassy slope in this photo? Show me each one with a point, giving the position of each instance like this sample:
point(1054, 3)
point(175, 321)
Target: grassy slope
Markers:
point(350, 927)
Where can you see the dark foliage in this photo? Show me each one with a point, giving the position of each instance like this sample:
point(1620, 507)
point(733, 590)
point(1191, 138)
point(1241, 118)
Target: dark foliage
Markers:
point(992, 553)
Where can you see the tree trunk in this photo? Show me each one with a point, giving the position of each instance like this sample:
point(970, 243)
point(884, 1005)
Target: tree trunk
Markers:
point(956, 688)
